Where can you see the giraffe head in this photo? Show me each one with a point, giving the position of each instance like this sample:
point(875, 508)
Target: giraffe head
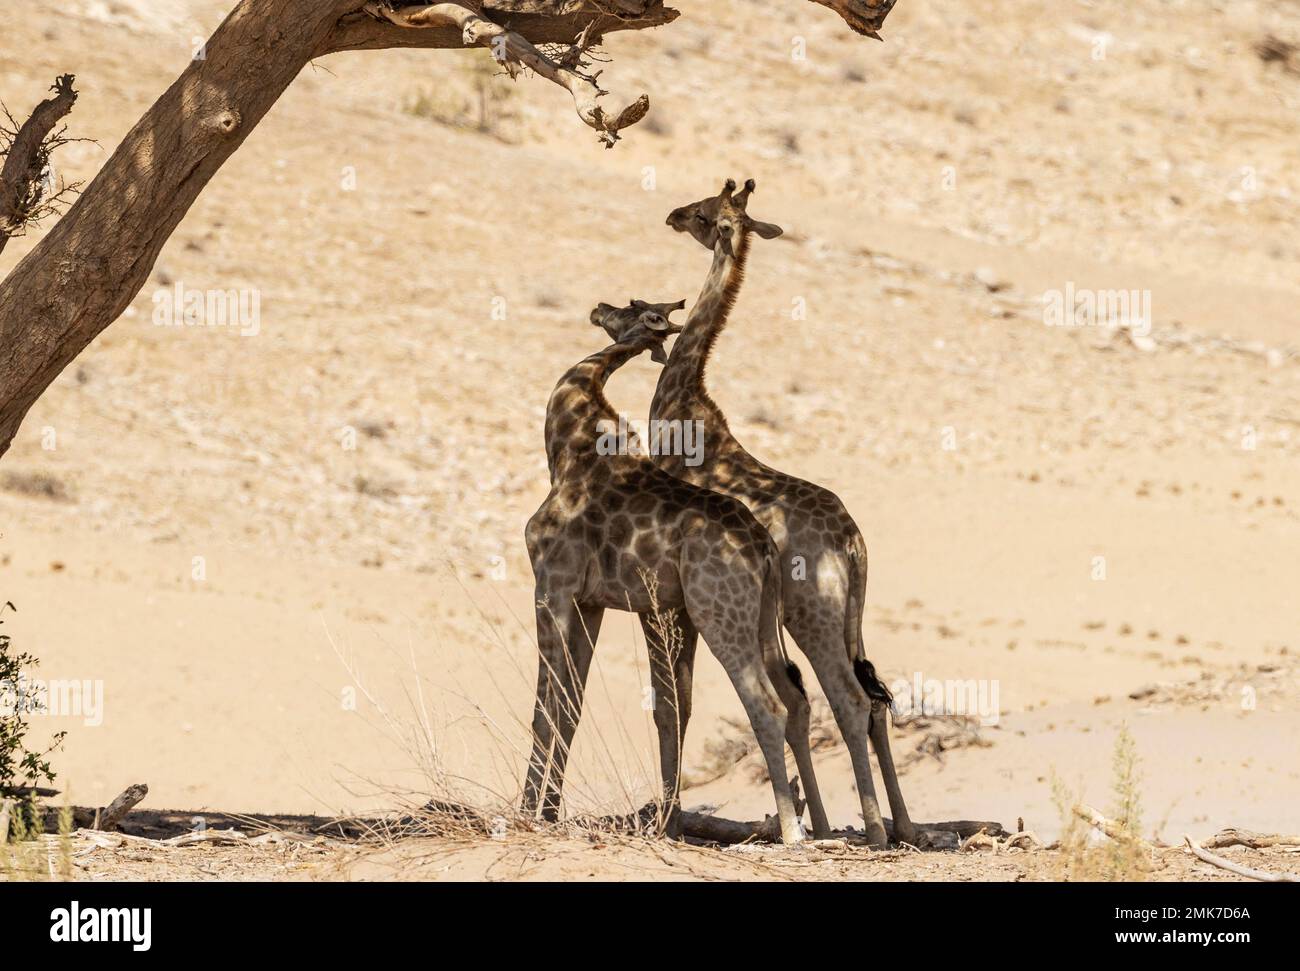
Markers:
point(639, 321)
point(721, 220)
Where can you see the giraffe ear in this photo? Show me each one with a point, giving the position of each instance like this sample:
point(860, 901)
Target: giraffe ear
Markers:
point(668, 309)
point(638, 304)
point(766, 230)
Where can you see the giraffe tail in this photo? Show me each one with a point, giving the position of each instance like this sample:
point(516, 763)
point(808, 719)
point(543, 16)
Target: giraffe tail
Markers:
point(863, 669)
point(773, 619)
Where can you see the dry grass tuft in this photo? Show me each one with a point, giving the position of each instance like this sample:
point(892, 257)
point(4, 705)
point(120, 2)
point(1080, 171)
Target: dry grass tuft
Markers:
point(27, 852)
point(1093, 847)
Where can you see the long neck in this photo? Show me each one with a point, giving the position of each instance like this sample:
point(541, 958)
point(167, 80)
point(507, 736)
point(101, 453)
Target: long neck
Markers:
point(578, 412)
point(684, 372)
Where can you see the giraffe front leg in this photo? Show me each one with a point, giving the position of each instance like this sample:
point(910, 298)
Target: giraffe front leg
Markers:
point(566, 637)
point(671, 642)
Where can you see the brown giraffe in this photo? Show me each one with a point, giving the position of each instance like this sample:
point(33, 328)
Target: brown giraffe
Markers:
point(823, 554)
point(616, 532)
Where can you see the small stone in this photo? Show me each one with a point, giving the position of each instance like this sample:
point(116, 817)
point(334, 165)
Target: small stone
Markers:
point(991, 280)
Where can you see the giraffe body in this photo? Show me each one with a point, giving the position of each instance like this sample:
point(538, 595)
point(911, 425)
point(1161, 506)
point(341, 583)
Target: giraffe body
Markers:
point(822, 552)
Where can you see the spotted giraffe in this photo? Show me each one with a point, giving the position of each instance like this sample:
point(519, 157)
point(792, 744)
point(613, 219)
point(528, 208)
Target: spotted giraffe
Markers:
point(823, 554)
point(616, 532)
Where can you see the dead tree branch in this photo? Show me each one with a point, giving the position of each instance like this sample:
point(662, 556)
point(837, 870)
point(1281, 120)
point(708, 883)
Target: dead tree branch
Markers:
point(514, 52)
point(547, 22)
point(1244, 837)
point(26, 190)
point(1237, 868)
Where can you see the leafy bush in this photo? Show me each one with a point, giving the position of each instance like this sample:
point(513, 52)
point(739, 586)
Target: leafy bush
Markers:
point(19, 765)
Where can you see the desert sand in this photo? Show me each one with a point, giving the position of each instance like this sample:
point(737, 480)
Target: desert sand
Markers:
point(294, 561)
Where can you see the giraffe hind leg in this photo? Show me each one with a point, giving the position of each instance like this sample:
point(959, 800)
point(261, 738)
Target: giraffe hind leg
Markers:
point(852, 709)
point(865, 671)
point(904, 829)
point(789, 685)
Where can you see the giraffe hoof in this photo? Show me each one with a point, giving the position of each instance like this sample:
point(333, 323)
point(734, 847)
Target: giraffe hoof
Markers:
point(907, 834)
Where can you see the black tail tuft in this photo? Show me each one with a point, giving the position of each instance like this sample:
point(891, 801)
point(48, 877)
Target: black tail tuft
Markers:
point(796, 676)
point(871, 684)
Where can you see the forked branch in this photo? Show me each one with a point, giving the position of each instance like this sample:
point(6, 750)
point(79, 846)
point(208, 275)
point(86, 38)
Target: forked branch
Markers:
point(514, 53)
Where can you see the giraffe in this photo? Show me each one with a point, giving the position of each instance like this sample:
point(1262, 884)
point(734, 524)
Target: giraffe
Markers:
point(616, 532)
point(823, 553)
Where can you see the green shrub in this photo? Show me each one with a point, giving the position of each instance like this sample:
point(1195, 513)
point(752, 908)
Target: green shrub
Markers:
point(20, 766)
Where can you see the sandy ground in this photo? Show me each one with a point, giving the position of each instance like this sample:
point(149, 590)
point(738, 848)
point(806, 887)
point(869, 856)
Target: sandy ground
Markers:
point(1103, 529)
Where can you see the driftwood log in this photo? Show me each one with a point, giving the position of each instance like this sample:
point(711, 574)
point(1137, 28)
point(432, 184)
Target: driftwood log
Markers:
point(110, 816)
point(1244, 837)
point(26, 792)
point(715, 829)
point(707, 828)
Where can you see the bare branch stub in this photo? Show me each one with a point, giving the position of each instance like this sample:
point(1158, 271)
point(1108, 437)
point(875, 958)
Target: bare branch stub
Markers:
point(27, 193)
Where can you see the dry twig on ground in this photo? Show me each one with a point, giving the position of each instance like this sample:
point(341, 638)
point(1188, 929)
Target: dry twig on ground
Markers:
point(1242, 871)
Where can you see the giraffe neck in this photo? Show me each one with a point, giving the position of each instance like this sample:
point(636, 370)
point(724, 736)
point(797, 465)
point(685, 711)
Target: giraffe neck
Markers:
point(681, 393)
point(707, 319)
point(578, 411)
